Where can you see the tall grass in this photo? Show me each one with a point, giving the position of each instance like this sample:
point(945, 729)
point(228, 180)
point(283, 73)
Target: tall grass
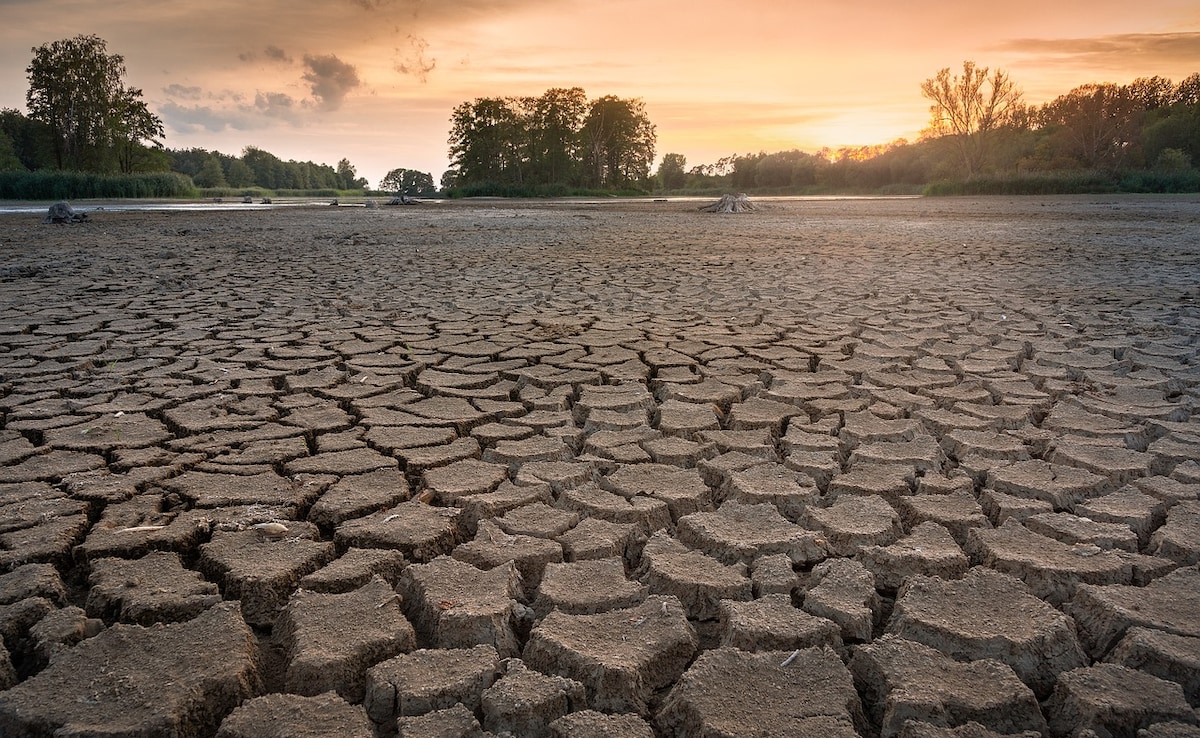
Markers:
point(62, 185)
point(1070, 183)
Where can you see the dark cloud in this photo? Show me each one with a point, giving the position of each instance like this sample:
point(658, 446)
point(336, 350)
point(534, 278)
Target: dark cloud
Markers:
point(412, 60)
point(193, 118)
point(1111, 51)
point(277, 105)
point(274, 53)
point(331, 80)
point(183, 91)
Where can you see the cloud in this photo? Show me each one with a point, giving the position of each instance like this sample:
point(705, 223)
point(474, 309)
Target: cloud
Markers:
point(193, 118)
point(277, 105)
point(412, 60)
point(331, 80)
point(274, 53)
point(182, 91)
point(1111, 51)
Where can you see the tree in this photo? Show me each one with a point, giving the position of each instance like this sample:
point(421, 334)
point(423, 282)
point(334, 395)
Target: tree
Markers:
point(1097, 125)
point(348, 178)
point(485, 138)
point(9, 162)
point(407, 182)
point(618, 142)
point(554, 120)
point(671, 172)
point(77, 88)
point(211, 174)
point(969, 108)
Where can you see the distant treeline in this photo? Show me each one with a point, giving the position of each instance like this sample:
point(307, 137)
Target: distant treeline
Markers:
point(1139, 137)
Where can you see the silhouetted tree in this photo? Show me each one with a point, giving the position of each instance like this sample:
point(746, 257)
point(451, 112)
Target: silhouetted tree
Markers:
point(618, 142)
point(407, 182)
point(671, 173)
point(77, 88)
point(969, 108)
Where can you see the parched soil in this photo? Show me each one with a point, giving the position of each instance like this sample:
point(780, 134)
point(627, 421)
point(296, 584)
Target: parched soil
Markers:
point(921, 467)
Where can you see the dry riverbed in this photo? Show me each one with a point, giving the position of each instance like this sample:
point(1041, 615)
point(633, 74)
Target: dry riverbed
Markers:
point(919, 467)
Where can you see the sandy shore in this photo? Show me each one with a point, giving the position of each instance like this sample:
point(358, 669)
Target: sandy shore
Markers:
point(829, 467)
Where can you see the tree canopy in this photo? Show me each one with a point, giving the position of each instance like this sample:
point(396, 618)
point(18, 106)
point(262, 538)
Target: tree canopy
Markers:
point(558, 138)
point(408, 182)
point(78, 90)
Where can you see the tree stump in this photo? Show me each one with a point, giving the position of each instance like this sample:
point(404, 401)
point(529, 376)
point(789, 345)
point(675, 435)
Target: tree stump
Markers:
point(62, 212)
point(731, 204)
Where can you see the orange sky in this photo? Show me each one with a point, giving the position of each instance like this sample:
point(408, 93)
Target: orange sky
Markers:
point(375, 80)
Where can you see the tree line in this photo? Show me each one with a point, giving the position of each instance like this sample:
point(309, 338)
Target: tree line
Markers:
point(84, 119)
point(983, 137)
point(545, 144)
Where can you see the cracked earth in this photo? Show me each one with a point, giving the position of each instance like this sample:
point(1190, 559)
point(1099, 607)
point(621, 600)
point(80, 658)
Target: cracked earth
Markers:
point(917, 467)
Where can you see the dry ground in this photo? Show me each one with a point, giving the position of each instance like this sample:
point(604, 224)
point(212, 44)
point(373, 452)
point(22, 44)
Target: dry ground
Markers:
point(849, 466)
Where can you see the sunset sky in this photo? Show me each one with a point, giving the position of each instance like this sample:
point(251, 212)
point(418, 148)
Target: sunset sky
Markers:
point(375, 80)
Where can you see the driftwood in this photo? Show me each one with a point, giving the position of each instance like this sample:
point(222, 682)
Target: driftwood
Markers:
point(731, 204)
point(62, 212)
point(403, 200)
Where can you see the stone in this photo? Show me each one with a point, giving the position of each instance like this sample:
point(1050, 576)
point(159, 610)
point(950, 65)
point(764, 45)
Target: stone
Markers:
point(1051, 569)
point(773, 623)
point(420, 532)
point(455, 605)
point(452, 722)
point(523, 702)
point(1179, 538)
point(621, 657)
point(586, 587)
point(594, 538)
point(1104, 613)
point(506, 498)
point(887, 481)
point(153, 589)
point(145, 687)
point(742, 532)
point(843, 590)
point(537, 519)
point(929, 550)
point(902, 680)
point(464, 478)
point(790, 491)
point(61, 629)
point(1117, 464)
point(958, 512)
point(1141, 512)
point(773, 574)
point(989, 615)
point(1113, 700)
point(261, 572)
point(1166, 656)
point(429, 679)
point(808, 692)
point(855, 521)
point(492, 547)
point(32, 580)
point(357, 495)
point(353, 569)
point(683, 491)
point(288, 715)
point(331, 640)
point(1073, 529)
point(205, 489)
point(592, 724)
point(698, 581)
point(1061, 486)
point(647, 513)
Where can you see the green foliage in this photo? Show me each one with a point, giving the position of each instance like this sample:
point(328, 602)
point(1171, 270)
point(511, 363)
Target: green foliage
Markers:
point(408, 182)
point(671, 174)
point(97, 124)
point(47, 184)
point(8, 156)
point(559, 138)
